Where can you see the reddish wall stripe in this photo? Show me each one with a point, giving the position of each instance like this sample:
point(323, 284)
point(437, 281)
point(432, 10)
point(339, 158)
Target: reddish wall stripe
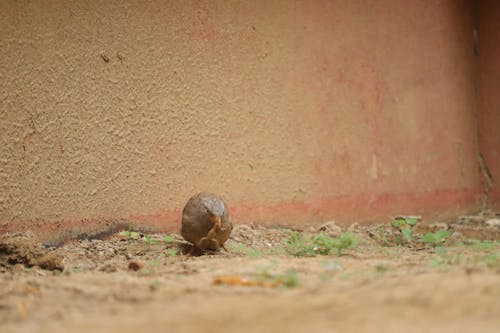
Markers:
point(344, 209)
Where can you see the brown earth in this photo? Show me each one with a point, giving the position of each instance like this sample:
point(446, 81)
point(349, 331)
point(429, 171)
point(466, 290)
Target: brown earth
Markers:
point(134, 282)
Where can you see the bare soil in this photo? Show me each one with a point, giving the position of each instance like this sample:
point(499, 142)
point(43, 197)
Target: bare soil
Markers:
point(143, 283)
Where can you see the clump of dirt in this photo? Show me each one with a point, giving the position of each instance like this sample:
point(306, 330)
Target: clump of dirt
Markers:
point(330, 229)
point(135, 265)
point(26, 249)
point(485, 225)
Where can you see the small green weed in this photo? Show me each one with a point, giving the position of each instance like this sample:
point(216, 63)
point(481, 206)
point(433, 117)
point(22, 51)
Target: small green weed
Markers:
point(407, 234)
point(436, 238)
point(300, 245)
point(404, 225)
point(346, 241)
point(130, 234)
point(447, 257)
point(168, 239)
point(444, 258)
point(405, 221)
point(149, 240)
point(172, 252)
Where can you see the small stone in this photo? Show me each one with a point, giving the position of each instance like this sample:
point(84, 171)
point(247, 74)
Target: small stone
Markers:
point(135, 265)
point(21, 248)
point(354, 227)
point(469, 219)
point(104, 56)
point(455, 237)
point(439, 226)
point(311, 229)
point(51, 261)
point(331, 229)
point(493, 223)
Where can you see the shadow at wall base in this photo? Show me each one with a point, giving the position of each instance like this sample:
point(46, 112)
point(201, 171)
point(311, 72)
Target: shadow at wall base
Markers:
point(345, 210)
point(494, 200)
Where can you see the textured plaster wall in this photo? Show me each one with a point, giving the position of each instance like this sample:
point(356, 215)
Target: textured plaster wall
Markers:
point(488, 26)
point(293, 111)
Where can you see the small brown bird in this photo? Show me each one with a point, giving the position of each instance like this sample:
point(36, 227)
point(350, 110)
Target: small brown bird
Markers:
point(206, 222)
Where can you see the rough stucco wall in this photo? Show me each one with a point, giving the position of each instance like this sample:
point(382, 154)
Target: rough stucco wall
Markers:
point(488, 25)
point(293, 111)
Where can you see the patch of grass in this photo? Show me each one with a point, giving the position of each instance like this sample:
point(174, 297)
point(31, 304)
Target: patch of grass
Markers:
point(484, 245)
point(275, 250)
point(407, 234)
point(172, 252)
point(300, 245)
point(149, 240)
point(243, 249)
point(130, 234)
point(436, 238)
point(491, 260)
point(346, 241)
point(246, 250)
point(168, 239)
point(288, 279)
point(404, 225)
point(405, 221)
point(445, 258)
point(485, 255)
point(489, 254)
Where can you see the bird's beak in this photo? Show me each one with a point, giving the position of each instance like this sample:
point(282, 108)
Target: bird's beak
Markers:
point(216, 221)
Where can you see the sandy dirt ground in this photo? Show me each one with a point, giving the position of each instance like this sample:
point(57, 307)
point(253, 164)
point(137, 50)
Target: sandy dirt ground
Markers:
point(143, 283)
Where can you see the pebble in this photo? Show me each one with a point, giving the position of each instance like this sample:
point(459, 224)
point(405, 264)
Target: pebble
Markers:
point(439, 226)
point(331, 229)
point(493, 223)
point(135, 265)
